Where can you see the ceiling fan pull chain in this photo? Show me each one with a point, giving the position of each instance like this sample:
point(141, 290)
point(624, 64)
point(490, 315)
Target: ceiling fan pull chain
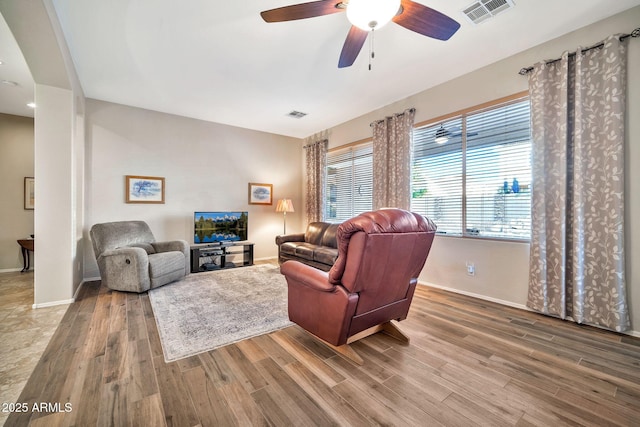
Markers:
point(371, 52)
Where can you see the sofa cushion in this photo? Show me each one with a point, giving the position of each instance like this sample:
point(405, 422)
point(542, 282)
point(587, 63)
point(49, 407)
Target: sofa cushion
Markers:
point(289, 248)
point(325, 255)
point(306, 250)
point(315, 231)
point(329, 236)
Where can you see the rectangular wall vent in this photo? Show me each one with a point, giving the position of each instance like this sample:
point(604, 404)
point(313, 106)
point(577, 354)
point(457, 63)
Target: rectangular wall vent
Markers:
point(482, 10)
point(297, 114)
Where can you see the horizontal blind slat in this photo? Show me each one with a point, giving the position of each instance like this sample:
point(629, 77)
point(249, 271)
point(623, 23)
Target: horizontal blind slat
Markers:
point(498, 150)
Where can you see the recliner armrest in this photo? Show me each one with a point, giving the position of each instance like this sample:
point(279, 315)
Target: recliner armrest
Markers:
point(131, 253)
point(125, 269)
point(299, 237)
point(172, 245)
point(308, 276)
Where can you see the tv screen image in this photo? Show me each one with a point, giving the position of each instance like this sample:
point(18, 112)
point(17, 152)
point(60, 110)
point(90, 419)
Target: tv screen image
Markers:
point(212, 227)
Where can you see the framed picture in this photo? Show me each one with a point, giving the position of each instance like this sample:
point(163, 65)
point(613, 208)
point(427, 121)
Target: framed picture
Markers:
point(29, 192)
point(260, 194)
point(144, 189)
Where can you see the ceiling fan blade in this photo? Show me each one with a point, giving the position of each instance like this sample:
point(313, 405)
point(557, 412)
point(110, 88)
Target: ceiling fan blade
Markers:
point(352, 46)
point(302, 11)
point(426, 21)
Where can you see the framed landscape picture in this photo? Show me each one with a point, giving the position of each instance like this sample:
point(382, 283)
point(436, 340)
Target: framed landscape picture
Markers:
point(144, 189)
point(29, 193)
point(260, 194)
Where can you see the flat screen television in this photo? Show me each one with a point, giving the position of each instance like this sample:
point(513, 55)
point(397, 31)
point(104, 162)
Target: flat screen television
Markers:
point(212, 227)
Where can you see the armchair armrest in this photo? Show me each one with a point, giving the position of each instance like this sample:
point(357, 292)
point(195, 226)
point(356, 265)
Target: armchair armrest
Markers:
point(173, 245)
point(178, 246)
point(125, 269)
point(317, 306)
point(307, 276)
point(130, 254)
point(299, 237)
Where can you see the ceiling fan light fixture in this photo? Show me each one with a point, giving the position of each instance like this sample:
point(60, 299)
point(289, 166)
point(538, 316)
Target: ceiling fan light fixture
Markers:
point(442, 135)
point(369, 15)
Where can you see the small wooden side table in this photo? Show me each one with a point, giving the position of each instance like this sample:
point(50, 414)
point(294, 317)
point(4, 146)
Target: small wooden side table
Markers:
point(26, 245)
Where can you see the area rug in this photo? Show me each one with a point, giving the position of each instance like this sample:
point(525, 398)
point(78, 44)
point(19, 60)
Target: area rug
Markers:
point(213, 309)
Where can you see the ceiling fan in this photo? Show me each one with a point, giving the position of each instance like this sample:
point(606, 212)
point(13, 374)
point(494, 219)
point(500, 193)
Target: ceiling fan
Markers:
point(443, 134)
point(367, 16)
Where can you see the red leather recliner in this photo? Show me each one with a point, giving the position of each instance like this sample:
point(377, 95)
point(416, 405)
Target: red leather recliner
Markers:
point(380, 255)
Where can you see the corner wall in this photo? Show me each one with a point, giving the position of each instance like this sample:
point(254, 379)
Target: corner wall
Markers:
point(502, 267)
point(206, 166)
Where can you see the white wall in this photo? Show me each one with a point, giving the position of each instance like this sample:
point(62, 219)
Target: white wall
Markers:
point(501, 267)
point(16, 163)
point(54, 171)
point(206, 166)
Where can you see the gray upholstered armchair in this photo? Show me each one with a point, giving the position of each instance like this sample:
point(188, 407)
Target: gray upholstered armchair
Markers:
point(130, 259)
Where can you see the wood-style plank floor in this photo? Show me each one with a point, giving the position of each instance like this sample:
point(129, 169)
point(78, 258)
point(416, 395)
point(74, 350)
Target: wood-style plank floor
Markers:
point(469, 363)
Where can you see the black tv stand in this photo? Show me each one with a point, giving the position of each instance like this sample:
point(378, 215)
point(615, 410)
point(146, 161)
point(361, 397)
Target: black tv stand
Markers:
point(220, 255)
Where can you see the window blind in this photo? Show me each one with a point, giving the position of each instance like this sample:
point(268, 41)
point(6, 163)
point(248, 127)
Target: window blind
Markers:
point(478, 182)
point(349, 182)
point(437, 175)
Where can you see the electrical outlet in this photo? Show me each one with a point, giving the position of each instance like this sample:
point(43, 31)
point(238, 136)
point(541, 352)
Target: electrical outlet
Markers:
point(471, 269)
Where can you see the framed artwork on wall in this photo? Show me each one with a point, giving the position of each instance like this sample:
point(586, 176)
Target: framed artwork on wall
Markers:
point(260, 194)
point(29, 192)
point(144, 189)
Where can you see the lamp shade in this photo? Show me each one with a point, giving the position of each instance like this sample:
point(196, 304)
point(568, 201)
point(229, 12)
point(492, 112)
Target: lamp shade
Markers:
point(371, 14)
point(284, 205)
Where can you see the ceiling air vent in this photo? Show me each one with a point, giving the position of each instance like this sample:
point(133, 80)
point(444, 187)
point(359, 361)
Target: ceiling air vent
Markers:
point(297, 114)
point(482, 10)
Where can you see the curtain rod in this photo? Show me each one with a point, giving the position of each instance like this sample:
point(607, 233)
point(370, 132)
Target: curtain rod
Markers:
point(635, 33)
point(319, 141)
point(411, 110)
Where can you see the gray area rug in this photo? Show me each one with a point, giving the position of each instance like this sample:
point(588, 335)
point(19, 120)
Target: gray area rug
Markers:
point(213, 309)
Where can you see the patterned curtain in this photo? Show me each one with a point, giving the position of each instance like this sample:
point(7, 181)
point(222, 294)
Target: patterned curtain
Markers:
point(392, 161)
point(316, 171)
point(577, 265)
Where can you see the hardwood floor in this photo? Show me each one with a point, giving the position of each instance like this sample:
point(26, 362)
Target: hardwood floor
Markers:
point(470, 362)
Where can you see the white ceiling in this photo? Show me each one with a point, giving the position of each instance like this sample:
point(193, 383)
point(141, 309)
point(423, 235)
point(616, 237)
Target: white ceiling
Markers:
point(13, 99)
point(218, 61)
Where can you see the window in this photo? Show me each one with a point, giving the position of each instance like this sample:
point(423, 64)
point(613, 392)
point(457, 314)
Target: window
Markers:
point(349, 182)
point(476, 180)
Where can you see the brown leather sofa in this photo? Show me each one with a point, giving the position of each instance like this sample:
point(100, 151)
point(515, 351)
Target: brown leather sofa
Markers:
point(316, 247)
point(381, 254)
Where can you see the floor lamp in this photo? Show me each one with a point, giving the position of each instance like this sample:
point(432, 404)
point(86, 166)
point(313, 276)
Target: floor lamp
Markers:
point(284, 206)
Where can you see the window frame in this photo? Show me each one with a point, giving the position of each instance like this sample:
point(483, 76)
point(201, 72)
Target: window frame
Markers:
point(517, 97)
point(462, 115)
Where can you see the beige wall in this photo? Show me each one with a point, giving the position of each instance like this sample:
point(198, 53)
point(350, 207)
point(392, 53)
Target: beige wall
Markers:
point(207, 166)
point(16, 163)
point(502, 267)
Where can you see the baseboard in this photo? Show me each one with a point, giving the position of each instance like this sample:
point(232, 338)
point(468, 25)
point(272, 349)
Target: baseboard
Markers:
point(474, 295)
point(53, 303)
point(11, 270)
point(268, 258)
point(632, 333)
point(88, 279)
